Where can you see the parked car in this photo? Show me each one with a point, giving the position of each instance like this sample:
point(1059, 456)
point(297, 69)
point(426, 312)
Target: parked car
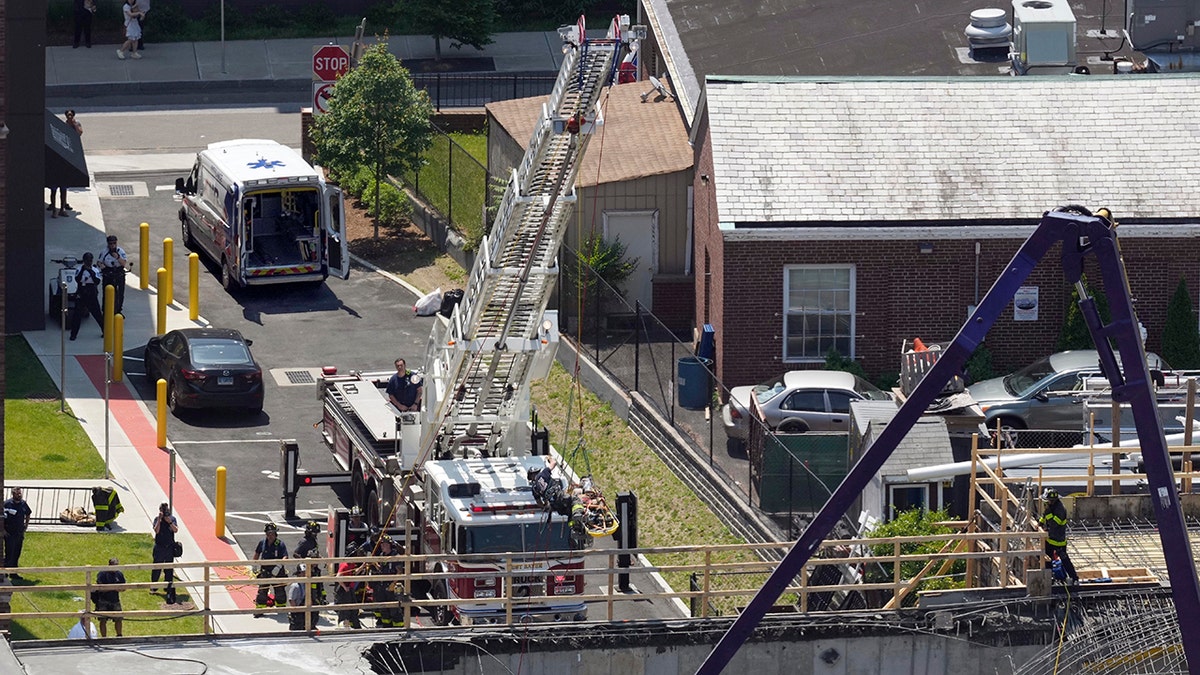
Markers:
point(1046, 394)
point(206, 368)
point(799, 401)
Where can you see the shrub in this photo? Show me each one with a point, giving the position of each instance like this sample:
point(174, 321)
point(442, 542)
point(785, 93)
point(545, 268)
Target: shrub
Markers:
point(979, 366)
point(835, 361)
point(1181, 335)
point(913, 523)
point(1075, 334)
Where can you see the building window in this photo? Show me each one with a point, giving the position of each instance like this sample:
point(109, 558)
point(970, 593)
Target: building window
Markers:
point(818, 311)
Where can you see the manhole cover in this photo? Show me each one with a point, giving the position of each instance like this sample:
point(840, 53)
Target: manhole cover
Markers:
point(120, 190)
point(300, 377)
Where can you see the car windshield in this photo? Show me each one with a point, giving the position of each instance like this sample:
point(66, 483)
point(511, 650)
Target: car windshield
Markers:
point(1026, 379)
point(869, 391)
point(768, 390)
point(219, 352)
point(516, 537)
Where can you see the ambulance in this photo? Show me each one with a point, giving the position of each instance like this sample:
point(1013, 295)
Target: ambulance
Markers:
point(263, 215)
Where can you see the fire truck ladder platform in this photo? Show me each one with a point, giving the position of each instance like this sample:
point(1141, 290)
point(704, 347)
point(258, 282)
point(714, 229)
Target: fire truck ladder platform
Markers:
point(480, 364)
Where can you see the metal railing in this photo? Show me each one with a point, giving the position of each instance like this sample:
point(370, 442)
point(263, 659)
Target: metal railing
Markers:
point(719, 586)
point(473, 90)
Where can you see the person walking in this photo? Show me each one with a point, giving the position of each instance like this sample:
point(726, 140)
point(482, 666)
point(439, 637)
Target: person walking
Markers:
point(16, 520)
point(133, 29)
point(84, 11)
point(107, 600)
point(114, 263)
point(164, 527)
point(83, 629)
point(1054, 519)
point(87, 283)
point(144, 6)
point(270, 548)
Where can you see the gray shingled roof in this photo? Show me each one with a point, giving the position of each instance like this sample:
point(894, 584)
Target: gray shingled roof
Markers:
point(852, 150)
point(928, 442)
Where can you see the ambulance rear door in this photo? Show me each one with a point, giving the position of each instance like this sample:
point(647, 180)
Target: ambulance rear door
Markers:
point(337, 249)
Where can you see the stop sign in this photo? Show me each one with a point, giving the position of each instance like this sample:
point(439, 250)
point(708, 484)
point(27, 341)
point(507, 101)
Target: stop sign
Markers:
point(330, 62)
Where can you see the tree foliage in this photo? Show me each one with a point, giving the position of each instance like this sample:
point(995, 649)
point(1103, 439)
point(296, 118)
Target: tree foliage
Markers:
point(1181, 335)
point(1075, 334)
point(914, 523)
point(376, 118)
point(607, 261)
point(463, 22)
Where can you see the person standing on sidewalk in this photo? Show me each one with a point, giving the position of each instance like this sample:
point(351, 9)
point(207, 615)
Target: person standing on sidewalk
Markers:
point(16, 520)
point(61, 207)
point(164, 527)
point(270, 548)
point(87, 282)
point(144, 6)
point(133, 29)
point(109, 600)
point(113, 265)
point(84, 11)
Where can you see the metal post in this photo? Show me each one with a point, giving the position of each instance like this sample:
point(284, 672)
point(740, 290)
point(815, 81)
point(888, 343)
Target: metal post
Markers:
point(637, 343)
point(108, 362)
point(671, 391)
point(449, 179)
point(223, 71)
point(171, 483)
point(220, 505)
point(144, 255)
point(62, 338)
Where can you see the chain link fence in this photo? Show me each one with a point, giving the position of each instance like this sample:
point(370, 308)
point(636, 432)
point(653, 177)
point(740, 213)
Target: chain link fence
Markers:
point(454, 183)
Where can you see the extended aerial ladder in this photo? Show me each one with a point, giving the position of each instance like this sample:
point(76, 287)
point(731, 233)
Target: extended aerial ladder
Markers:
point(478, 367)
point(1081, 235)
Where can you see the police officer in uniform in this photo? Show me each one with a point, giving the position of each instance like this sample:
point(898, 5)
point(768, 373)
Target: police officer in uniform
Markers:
point(113, 264)
point(87, 280)
point(270, 548)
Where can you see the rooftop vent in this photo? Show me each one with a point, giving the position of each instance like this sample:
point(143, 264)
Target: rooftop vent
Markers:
point(1043, 36)
point(989, 29)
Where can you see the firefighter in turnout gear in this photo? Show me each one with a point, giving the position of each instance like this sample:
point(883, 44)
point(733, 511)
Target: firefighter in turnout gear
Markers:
point(1054, 519)
point(385, 590)
point(270, 548)
point(108, 506)
point(308, 548)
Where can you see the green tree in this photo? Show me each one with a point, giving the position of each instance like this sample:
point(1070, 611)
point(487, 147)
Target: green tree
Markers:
point(1181, 335)
point(1075, 334)
point(376, 118)
point(914, 523)
point(463, 22)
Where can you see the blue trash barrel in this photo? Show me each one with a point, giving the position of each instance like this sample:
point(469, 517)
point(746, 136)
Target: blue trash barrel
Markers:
point(694, 385)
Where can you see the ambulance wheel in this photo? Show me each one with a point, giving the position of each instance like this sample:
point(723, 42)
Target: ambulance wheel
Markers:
point(442, 614)
point(227, 281)
point(188, 240)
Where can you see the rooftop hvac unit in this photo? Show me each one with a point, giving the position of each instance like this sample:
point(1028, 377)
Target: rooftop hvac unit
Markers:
point(989, 29)
point(1043, 36)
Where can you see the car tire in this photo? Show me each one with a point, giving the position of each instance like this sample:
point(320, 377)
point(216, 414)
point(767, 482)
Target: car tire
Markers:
point(173, 399)
point(1008, 425)
point(149, 367)
point(793, 427)
point(188, 240)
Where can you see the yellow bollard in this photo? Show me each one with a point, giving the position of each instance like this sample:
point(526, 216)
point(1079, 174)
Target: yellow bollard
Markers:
point(220, 529)
point(194, 286)
point(118, 333)
point(161, 396)
point(169, 266)
point(144, 255)
point(162, 301)
point(110, 295)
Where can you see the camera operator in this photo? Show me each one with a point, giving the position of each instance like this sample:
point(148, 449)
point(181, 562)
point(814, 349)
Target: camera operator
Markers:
point(113, 265)
point(165, 526)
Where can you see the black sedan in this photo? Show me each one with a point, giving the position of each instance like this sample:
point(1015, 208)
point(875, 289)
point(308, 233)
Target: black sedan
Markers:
point(206, 368)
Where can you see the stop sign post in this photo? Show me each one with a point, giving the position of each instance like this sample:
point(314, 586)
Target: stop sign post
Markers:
point(330, 62)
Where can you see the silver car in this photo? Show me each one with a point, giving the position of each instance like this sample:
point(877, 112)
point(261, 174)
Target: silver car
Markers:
point(1046, 394)
point(798, 401)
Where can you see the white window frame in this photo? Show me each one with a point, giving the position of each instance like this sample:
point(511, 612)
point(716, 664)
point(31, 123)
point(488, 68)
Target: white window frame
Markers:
point(788, 314)
point(932, 498)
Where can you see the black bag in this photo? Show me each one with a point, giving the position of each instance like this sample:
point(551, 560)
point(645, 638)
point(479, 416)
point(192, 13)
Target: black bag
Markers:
point(449, 300)
point(177, 550)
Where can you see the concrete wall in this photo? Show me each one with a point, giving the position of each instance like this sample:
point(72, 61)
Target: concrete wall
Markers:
point(1109, 508)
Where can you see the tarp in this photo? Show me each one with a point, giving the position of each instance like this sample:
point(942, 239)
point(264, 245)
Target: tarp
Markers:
point(65, 163)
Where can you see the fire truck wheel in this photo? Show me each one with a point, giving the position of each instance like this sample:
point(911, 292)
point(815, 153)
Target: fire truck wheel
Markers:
point(358, 489)
point(374, 517)
point(442, 614)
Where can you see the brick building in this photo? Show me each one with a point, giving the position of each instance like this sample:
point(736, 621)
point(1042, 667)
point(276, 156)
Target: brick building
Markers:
point(854, 213)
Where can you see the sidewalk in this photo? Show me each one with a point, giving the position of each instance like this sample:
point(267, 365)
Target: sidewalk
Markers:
point(139, 468)
point(256, 66)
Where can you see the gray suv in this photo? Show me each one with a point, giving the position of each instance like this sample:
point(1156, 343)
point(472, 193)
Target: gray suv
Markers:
point(1045, 394)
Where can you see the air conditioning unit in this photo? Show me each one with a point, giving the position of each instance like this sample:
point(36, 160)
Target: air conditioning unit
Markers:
point(1043, 36)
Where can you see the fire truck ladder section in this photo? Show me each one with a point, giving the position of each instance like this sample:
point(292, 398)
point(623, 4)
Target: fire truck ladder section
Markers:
point(499, 336)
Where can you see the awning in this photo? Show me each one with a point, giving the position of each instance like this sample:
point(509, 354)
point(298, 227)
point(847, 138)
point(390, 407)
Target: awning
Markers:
point(65, 163)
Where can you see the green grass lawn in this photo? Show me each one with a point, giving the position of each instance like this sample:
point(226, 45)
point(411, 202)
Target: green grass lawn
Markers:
point(455, 185)
point(40, 441)
point(670, 513)
point(53, 549)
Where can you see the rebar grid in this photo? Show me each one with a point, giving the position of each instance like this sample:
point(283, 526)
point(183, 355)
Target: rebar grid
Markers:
point(1124, 544)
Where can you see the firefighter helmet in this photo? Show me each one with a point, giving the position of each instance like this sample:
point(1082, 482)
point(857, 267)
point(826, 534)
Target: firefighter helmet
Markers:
point(1050, 494)
point(270, 528)
point(355, 512)
point(312, 528)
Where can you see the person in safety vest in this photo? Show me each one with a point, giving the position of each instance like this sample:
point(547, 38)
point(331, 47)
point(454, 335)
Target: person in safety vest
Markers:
point(270, 548)
point(308, 548)
point(1054, 519)
point(384, 590)
point(108, 506)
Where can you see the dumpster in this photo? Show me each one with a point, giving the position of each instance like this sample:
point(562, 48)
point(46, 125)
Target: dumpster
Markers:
point(694, 383)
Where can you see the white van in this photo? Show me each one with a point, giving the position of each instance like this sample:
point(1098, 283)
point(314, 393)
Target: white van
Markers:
point(265, 215)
